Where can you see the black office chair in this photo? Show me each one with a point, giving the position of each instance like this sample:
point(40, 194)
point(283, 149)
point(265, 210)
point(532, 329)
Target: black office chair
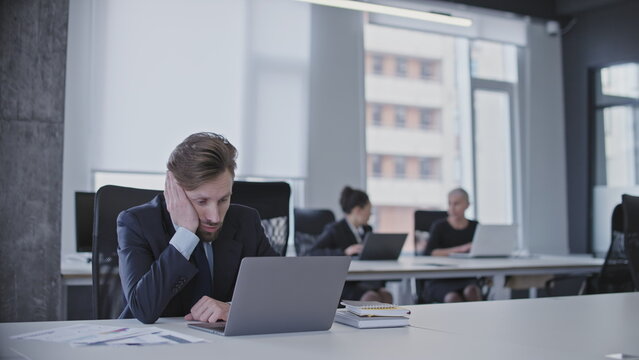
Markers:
point(615, 273)
point(110, 200)
point(424, 219)
point(308, 224)
point(271, 200)
point(631, 235)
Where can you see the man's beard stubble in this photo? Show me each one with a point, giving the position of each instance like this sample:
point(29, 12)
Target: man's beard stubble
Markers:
point(208, 236)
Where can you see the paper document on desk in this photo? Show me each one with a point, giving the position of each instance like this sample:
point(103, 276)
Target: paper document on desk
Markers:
point(89, 335)
point(67, 333)
point(156, 336)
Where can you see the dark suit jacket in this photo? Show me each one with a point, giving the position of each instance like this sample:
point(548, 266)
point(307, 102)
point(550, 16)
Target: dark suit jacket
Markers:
point(156, 278)
point(335, 238)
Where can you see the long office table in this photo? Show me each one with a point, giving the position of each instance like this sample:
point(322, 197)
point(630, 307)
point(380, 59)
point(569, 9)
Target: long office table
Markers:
point(437, 267)
point(408, 268)
point(586, 327)
point(424, 267)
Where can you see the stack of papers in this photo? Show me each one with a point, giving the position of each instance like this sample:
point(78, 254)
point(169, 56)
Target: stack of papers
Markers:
point(90, 335)
point(372, 314)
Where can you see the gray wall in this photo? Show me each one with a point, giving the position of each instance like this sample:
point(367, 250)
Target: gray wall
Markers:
point(33, 42)
point(336, 144)
point(544, 165)
point(599, 37)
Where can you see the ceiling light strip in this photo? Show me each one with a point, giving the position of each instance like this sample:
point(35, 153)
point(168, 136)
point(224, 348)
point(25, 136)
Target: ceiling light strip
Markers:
point(395, 11)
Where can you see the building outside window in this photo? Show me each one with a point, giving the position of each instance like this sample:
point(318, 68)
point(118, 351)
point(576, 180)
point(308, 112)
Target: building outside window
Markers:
point(400, 167)
point(375, 162)
point(378, 64)
point(400, 116)
point(429, 119)
point(429, 168)
point(401, 66)
point(459, 115)
point(429, 70)
point(376, 114)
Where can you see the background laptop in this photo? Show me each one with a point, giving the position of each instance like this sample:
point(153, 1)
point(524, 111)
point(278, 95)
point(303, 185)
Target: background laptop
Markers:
point(491, 241)
point(382, 246)
point(283, 294)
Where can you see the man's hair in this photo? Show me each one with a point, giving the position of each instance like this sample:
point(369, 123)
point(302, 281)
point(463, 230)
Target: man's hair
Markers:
point(201, 157)
point(460, 191)
point(351, 198)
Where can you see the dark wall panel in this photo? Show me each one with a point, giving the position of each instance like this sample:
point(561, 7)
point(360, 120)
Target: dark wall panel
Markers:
point(599, 37)
point(33, 38)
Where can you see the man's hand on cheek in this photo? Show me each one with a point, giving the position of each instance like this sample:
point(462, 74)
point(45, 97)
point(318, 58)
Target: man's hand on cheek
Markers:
point(179, 206)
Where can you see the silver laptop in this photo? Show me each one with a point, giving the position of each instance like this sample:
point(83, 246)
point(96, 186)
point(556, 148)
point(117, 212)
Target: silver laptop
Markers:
point(283, 294)
point(379, 246)
point(491, 241)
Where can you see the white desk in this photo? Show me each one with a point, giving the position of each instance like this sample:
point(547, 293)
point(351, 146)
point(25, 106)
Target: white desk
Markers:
point(434, 267)
point(588, 327)
point(585, 327)
point(437, 267)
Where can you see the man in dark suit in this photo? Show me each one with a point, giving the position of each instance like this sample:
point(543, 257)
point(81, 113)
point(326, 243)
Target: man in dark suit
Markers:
point(180, 253)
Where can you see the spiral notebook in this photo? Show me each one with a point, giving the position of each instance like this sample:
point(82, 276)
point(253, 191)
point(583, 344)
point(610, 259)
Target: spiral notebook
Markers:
point(374, 308)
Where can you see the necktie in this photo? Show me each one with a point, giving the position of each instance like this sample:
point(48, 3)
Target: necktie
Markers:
point(208, 249)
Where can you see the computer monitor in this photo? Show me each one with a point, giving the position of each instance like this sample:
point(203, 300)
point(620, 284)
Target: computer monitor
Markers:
point(84, 221)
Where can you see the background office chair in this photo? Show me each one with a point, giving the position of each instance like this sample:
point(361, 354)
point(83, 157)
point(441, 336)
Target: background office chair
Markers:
point(615, 272)
point(110, 200)
point(631, 235)
point(308, 224)
point(271, 200)
point(424, 219)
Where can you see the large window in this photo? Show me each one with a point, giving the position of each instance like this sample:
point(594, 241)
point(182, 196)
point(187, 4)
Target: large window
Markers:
point(453, 102)
point(430, 168)
point(400, 167)
point(616, 139)
point(617, 97)
point(429, 119)
point(378, 64)
point(376, 114)
point(430, 70)
point(400, 116)
point(401, 66)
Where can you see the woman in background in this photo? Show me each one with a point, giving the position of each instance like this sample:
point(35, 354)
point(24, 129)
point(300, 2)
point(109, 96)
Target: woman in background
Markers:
point(453, 234)
point(345, 237)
